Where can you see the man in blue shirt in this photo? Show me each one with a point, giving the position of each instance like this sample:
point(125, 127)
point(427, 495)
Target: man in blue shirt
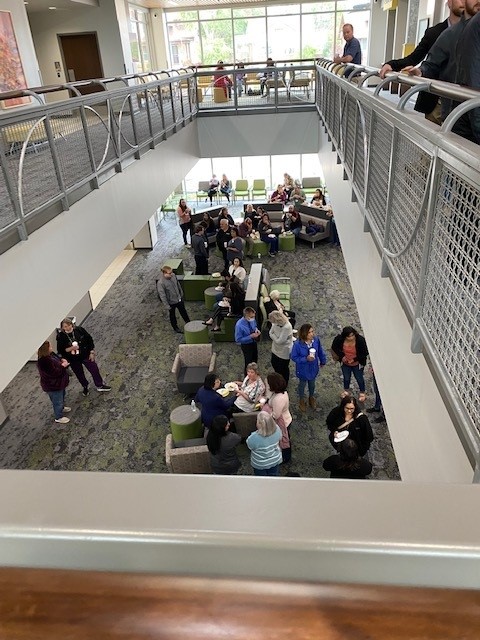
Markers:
point(246, 335)
point(352, 51)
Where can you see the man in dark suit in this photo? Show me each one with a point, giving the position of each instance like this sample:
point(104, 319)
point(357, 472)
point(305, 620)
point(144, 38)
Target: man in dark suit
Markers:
point(426, 102)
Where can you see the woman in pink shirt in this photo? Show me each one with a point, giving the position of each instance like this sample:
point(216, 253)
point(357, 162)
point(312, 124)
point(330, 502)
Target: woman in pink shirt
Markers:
point(278, 405)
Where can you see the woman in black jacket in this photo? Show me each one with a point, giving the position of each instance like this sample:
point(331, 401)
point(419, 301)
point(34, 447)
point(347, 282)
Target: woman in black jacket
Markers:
point(347, 418)
point(232, 304)
point(348, 464)
point(350, 349)
point(222, 445)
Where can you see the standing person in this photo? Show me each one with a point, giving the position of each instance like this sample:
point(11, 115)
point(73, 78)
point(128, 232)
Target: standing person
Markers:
point(184, 214)
point(348, 464)
point(289, 184)
point(212, 188)
point(226, 187)
point(352, 51)
point(223, 238)
point(347, 417)
point(200, 251)
point(76, 345)
point(245, 230)
point(222, 445)
point(234, 246)
point(264, 446)
point(247, 335)
point(171, 295)
point(309, 356)
point(54, 380)
point(350, 349)
point(240, 79)
point(278, 405)
point(426, 103)
point(281, 334)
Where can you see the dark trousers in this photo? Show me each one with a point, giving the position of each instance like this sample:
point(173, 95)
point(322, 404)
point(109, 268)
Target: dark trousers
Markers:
point(183, 312)
point(186, 227)
point(281, 366)
point(92, 367)
point(202, 266)
point(250, 353)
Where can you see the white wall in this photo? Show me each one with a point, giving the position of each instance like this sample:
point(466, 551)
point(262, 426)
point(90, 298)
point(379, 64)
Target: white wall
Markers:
point(37, 275)
point(255, 135)
point(426, 444)
point(24, 40)
point(103, 20)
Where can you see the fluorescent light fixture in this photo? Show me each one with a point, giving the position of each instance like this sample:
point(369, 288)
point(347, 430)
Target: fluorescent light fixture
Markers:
point(52, 8)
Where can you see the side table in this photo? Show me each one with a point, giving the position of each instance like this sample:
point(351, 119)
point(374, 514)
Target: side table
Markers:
point(185, 424)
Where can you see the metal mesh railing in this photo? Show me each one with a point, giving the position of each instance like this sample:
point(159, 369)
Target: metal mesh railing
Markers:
point(422, 201)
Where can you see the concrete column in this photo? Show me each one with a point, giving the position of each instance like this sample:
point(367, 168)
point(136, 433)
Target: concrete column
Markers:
point(147, 237)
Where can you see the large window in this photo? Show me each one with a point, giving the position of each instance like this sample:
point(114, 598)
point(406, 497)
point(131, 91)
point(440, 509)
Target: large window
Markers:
point(284, 32)
point(139, 41)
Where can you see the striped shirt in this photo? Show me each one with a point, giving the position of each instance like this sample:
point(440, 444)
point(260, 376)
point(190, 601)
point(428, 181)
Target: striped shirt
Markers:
point(265, 450)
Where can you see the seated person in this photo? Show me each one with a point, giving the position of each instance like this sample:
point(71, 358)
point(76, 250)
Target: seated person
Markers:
point(212, 403)
point(208, 224)
point(298, 195)
point(268, 235)
point(237, 270)
point(231, 305)
point(224, 215)
point(348, 417)
point(263, 77)
point(212, 188)
point(226, 187)
point(245, 232)
point(249, 391)
point(313, 227)
point(254, 216)
point(272, 303)
point(222, 81)
point(279, 195)
point(348, 464)
point(318, 199)
point(292, 221)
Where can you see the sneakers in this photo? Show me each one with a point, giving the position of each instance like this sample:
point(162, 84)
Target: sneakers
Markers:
point(104, 387)
point(85, 391)
point(62, 420)
point(67, 409)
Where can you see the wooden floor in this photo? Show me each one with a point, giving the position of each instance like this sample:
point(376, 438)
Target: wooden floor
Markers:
point(70, 605)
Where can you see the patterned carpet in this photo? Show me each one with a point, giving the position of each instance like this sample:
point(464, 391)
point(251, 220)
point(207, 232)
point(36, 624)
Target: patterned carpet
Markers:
point(125, 430)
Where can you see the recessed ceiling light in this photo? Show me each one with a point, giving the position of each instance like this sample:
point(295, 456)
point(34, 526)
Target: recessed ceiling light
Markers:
point(52, 8)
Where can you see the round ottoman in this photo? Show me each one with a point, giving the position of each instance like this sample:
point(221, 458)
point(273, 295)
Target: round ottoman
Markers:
point(286, 242)
point(210, 297)
point(185, 424)
point(196, 332)
point(259, 247)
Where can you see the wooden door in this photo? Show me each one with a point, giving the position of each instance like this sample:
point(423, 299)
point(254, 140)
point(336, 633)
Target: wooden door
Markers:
point(81, 58)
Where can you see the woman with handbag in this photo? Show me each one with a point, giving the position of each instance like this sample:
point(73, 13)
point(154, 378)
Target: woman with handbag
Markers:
point(350, 349)
point(347, 421)
point(278, 406)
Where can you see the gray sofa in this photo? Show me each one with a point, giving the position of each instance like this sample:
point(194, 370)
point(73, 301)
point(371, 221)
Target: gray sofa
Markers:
point(306, 212)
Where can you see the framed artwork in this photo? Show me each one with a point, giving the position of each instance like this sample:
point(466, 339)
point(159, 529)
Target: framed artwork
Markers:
point(11, 70)
point(422, 27)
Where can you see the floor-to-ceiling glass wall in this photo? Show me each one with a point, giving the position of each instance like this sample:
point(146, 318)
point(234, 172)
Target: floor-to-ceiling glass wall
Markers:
point(281, 31)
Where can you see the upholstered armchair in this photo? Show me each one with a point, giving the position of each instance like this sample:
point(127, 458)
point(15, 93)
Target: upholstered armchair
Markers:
point(191, 365)
point(194, 458)
point(245, 422)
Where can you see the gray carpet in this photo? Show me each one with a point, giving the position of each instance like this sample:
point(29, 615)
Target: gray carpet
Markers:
point(125, 430)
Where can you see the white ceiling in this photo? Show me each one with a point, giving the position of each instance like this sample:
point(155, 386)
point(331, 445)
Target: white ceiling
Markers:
point(65, 5)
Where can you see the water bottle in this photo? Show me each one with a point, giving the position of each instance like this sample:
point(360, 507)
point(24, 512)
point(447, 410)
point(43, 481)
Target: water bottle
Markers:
point(193, 405)
point(259, 256)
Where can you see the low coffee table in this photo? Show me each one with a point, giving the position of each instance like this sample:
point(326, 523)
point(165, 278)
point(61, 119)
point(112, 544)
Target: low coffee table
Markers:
point(185, 424)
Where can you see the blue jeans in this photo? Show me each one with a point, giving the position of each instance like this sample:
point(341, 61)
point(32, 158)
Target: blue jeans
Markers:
point(301, 387)
point(296, 231)
point(358, 374)
point(273, 471)
point(58, 400)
